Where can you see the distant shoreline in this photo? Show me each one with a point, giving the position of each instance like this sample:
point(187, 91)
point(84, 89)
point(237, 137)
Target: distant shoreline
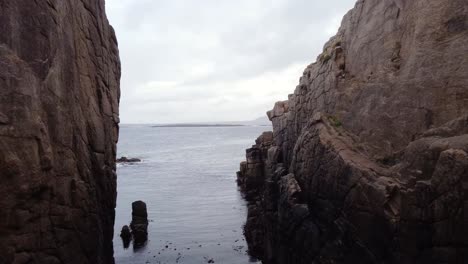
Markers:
point(199, 125)
point(259, 122)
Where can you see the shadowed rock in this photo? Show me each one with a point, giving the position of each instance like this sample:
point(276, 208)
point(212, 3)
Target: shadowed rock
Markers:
point(59, 115)
point(128, 160)
point(139, 224)
point(126, 236)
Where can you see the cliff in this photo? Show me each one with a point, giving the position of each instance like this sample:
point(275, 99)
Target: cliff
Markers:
point(59, 95)
point(367, 162)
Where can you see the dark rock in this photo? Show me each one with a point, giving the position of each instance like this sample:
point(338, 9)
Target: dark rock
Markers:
point(128, 160)
point(368, 162)
point(59, 95)
point(4, 119)
point(139, 210)
point(139, 224)
point(126, 236)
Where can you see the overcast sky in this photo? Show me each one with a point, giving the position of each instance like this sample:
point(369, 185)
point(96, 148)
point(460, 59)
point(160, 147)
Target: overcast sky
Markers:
point(215, 60)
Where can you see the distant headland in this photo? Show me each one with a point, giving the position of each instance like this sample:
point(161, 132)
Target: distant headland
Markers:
point(199, 125)
point(262, 121)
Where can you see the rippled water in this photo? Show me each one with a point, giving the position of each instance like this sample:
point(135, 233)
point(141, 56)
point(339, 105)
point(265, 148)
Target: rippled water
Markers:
point(187, 179)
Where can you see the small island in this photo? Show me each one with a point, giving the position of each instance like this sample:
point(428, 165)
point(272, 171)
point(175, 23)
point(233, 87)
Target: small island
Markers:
point(199, 125)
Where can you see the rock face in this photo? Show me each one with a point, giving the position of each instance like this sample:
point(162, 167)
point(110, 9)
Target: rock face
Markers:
point(368, 162)
point(59, 94)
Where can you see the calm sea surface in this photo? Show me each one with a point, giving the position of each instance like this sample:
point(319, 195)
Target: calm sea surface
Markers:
point(187, 179)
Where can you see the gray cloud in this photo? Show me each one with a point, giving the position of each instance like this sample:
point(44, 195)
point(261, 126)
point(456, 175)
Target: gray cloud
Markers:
point(214, 60)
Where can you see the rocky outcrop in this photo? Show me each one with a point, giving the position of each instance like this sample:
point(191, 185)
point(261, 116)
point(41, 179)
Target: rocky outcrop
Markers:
point(127, 160)
point(59, 95)
point(138, 231)
point(126, 236)
point(139, 224)
point(369, 160)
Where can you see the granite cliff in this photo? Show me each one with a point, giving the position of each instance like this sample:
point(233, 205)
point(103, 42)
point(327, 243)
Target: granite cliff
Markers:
point(368, 158)
point(59, 96)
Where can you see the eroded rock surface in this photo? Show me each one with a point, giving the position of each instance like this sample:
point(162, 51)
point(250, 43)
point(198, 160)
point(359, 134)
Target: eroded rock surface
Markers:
point(368, 162)
point(59, 94)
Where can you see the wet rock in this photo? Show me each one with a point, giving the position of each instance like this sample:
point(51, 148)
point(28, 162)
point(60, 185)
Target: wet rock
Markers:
point(139, 224)
point(126, 236)
point(128, 160)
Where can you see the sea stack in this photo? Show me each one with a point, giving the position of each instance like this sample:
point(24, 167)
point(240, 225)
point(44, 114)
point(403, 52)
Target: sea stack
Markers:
point(139, 224)
point(59, 115)
point(369, 157)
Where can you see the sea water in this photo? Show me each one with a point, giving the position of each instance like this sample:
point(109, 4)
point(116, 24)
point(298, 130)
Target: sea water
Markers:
point(187, 179)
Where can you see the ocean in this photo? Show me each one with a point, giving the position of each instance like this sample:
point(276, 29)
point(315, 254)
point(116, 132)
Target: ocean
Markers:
point(187, 179)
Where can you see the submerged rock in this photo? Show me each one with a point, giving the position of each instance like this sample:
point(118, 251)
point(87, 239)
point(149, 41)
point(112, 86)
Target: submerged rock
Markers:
point(369, 157)
point(139, 224)
point(128, 160)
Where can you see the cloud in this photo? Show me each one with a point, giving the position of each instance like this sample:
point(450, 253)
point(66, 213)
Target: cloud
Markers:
point(212, 60)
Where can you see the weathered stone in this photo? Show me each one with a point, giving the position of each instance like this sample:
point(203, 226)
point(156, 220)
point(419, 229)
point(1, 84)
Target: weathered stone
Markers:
point(369, 159)
point(139, 224)
point(280, 109)
point(59, 88)
point(126, 235)
point(139, 209)
point(4, 119)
